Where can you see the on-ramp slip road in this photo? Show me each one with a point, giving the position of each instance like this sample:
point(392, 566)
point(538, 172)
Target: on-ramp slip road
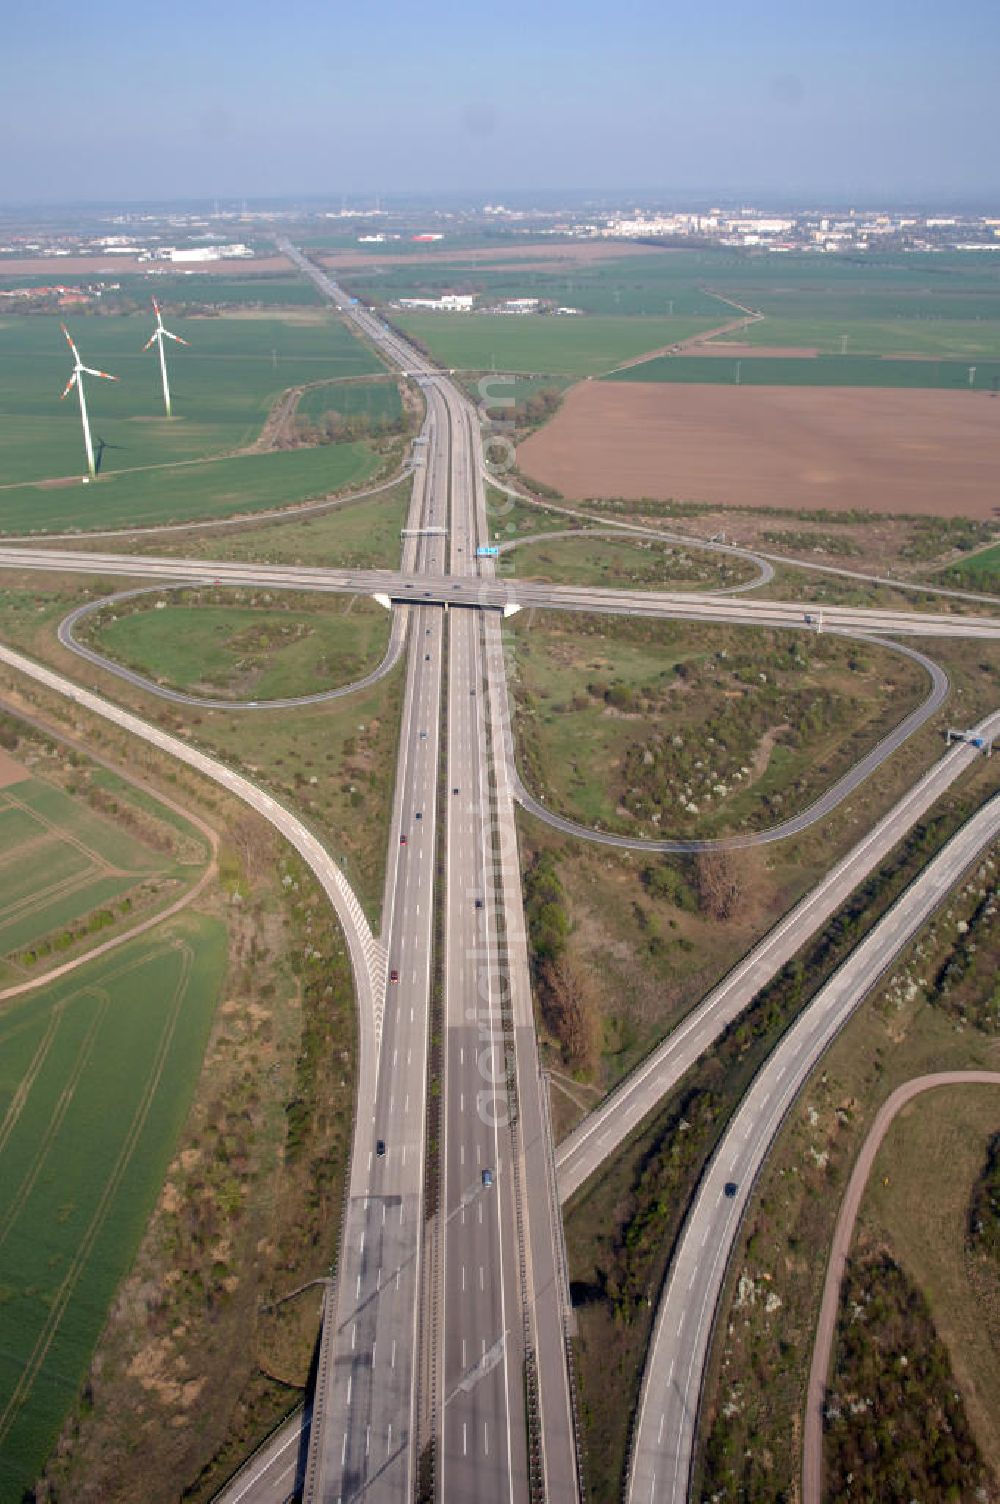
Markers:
point(605, 1129)
point(663, 1446)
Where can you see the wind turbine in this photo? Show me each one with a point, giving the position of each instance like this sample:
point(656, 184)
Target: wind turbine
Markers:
point(79, 371)
point(157, 338)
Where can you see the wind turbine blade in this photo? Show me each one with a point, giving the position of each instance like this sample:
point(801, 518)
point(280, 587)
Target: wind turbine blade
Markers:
point(69, 339)
point(91, 371)
point(176, 337)
point(71, 383)
point(152, 339)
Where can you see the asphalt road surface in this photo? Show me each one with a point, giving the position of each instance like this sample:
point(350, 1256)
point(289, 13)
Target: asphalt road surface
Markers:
point(663, 1446)
point(829, 800)
point(601, 1133)
point(403, 587)
point(363, 1435)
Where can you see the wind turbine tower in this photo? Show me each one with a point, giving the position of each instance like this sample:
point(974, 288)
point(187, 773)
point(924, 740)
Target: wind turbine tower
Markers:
point(157, 337)
point(79, 371)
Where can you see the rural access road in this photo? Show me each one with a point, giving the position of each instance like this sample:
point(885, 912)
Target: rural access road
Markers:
point(663, 1445)
point(812, 1439)
point(603, 1131)
point(761, 558)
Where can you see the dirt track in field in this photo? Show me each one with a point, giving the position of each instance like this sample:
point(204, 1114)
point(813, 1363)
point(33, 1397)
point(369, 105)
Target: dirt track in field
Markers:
point(929, 452)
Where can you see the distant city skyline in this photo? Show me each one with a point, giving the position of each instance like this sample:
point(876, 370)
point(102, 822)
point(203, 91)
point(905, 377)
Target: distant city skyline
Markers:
point(865, 103)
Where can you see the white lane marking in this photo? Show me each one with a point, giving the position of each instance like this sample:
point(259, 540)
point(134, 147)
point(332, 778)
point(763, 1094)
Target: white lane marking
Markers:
point(486, 1437)
point(392, 1355)
point(481, 1286)
point(354, 1335)
point(350, 1386)
point(463, 1276)
point(465, 1438)
point(388, 1445)
point(464, 1361)
point(343, 1450)
point(368, 1439)
point(358, 1290)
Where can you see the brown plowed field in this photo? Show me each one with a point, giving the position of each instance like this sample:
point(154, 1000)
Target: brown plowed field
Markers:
point(883, 450)
point(542, 254)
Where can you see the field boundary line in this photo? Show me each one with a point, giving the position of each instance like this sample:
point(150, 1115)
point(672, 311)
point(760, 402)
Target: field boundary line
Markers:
point(58, 1308)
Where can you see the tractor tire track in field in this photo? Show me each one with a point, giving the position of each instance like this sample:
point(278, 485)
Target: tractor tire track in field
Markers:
point(63, 1295)
point(209, 874)
point(27, 1081)
point(62, 1106)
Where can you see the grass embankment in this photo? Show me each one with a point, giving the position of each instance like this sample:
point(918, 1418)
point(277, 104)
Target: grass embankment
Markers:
point(645, 930)
point(674, 729)
point(193, 1365)
point(333, 764)
point(632, 563)
point(243, 644)
point(621, 1227)
point(897, 1427)
point(873, 543)
point(937, 1011)
point(362, 534)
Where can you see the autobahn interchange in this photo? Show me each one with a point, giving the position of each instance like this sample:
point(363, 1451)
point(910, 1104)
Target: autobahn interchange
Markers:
point(401, 1282)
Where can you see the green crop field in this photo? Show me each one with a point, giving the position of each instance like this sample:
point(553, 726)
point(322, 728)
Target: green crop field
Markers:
point(824, 370)
point(285, 647)
point(355, 399)
point(96, 1074)
point(651, 285)
point(61, 864)
point(178, 493)
point(571, 346)
point(356, 534)
point(982, 564)
point(223, 387)
point(948, 339)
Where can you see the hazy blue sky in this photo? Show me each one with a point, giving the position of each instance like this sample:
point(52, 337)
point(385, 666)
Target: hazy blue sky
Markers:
point(865, 98)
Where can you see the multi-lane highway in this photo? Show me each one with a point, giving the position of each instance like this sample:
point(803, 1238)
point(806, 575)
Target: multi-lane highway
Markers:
point(605, 1129)
point(404, 587)
point(664, 1440)
point(363, 1439)
point(489, 1300)
point(452, 1328)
